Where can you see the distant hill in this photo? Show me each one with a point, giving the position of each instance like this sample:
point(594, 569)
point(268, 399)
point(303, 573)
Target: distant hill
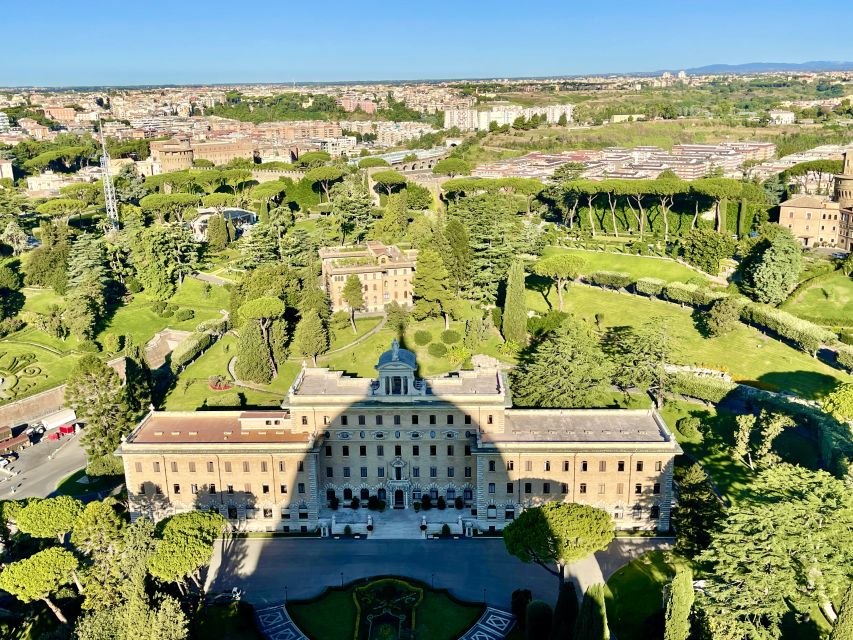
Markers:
point(769, 67)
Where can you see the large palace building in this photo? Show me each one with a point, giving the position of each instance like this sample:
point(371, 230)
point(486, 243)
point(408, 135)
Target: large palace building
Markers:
point(399, 438)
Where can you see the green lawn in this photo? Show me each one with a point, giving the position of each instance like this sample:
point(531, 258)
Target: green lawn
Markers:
point(745, 353)
point(73, 485)
point(342, 336)
point(46, 370)
point(636, 266)
point(634, 596)
point(40, 300)
point(333, 616)
point(829, 299)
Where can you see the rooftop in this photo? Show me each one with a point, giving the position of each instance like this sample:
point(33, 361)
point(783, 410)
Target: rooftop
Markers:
point(216, 427)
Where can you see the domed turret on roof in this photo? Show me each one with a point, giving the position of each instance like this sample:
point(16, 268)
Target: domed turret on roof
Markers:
point(396, 369)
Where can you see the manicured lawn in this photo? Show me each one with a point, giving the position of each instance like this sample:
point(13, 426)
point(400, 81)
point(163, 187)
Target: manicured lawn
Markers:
point(745, 353)
point(830, 299)
point(234, 621)
point(72, 485)
point(636, 266)
point(342, 336)
point(634, 596)
point(40, 300)
point(333, 616)
point(46, 370)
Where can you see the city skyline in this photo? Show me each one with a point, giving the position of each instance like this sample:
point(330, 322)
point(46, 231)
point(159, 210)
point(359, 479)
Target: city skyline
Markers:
point(465, 42)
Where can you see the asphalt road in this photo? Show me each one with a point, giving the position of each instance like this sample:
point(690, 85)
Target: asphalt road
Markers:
point(264, 567)
point(36, 473)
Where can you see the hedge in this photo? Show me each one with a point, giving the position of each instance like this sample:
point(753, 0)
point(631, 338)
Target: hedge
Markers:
point(193, 346)
point(216, 326)
point(701, 387)
point(649, 286)
point(437, 349)
point(229, 399)
point(609, 279)
point(422, 337)
point(680, 292)
point(806, 335)
point(450, 336)
point(844, 356)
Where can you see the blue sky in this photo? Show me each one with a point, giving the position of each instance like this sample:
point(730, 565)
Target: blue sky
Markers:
point(88, 42)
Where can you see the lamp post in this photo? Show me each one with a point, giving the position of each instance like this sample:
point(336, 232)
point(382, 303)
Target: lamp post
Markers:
point(484, 595)
point(342, 578)
point(285, 594)
point(433, 581)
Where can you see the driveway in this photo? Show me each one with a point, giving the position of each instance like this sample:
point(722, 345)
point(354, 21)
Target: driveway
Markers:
point(472, 569)
point(38, 474)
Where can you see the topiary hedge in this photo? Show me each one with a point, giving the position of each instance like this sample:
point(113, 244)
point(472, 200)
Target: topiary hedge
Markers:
point(649, 286)
point(193, 346)
point(437, 349)
point(450, 336)
point(422, 337)
point(184, 314)
point(217, 326)
point(806, 335)
point(701, 387)
point(844, 356)
point(231, 399)
point(609, 279)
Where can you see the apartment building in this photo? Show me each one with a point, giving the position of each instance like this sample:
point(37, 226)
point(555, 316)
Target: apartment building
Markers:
point(479, 120)
point(386, 274)
point(400, 438)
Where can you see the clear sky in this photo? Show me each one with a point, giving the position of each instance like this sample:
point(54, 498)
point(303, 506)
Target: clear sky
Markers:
point(88, 42)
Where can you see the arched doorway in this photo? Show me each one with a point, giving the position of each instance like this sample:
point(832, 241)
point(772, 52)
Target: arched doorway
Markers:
point(399, 499)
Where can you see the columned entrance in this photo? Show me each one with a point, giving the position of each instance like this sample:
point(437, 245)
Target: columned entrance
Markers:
point(399, 499)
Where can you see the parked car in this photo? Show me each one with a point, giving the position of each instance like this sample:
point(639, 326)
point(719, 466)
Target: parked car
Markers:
point(4, 462)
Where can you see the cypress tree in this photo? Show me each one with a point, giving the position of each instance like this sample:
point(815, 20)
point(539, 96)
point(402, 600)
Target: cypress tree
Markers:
point(310, 337)
point(253, 357)
point(678, 606)
point(538, 620)
point(217, 236)
point(514, 327)
point(430, 287)
point(843, 629)
point(592, 620)
point(565, 613)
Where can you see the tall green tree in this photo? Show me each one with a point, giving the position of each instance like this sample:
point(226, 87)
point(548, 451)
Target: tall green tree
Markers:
point(557, 534)
point(592, 619)
point(697, 512)
point(311, 337)
point(561, 268)
point(217, 234)
point(165, 256)
point(352, 208)
point(568, 368)
point(431, 288)
point(514, 327)
point(325, 177)
point(457, 257)
point(264, 311)
point(49, 518)
point(354, 297)
point(253, 355)
point(772, 267)
point(679, 604)
point(641, 356)
point(39, 576)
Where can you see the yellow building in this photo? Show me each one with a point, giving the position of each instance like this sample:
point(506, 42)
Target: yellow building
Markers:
point(402, 440)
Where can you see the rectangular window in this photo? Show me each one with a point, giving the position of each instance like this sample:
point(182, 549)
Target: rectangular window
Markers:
point(158, 490)
point(245, 467)
point(450, 449)
point(467, 449)
point(345, 450)
point(346, 472)
point(378, 421)
point(467, 472)
point(330, 472)
point(432, 418)
point(449, 419)
point(416, 472)
point(192, 467)
point(638, 489)
point(398, 450)
point(300, 466)
point(450, 472)
point(328, 451)
point(601, 489)
point(363, 472)
point(414, 418)
point(658, 465)
point(432, 450)
point(602, 466)
point(380, 472)
point(362, 421)
point(194, 489)
point(467, 419)
point(620, 466)
point(212, 489)
point(380, 450)
point(141, 491)
point(327, 420)
point(174, 466)
point(210, 467)
point(227, 467)
point(656, 488)
point(138, 467)
point(282, 489)
point(176, 489)
point(491, 487)
point(509, 487)
point(433, 472)
point(546, 487)
point(565, 465)
point(640, 466)
point(230, 488)
point(583, 487)
point(564, 488)
point(397, 420)
point(528, 487)
point(300, 488)
point(281, 466)
point(620, 488)
point(546, 466)
point(528, 465)
point(344, 421)
point(156, 467)
point(416, 450)
point(491, 465)
point(304, 421)
point(584, 465)
point(267, 512)
point(263, 466)
point(490, 419)
point(362, 450)
point(265, 488)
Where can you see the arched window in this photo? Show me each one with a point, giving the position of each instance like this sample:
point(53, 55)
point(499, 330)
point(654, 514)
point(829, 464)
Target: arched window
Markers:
point(330, 494)
point(347, 494)
point(365, 494)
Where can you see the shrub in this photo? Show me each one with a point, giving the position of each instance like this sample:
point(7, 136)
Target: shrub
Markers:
point(538, 616)
point(649, 286)
point(334, 503)
point(450, 336)
point(189, 349)
point(844, 356)
point(416, 505)
point(459, 503)
point(158, 307)
point(132, 284)
point(230, 399)
point(441, 503)
point(609, 279)
point(217, 326)
point(355, 503)
point(689, 427)
point(701, 387)
point(445, 530)
point(520, 599)
point(168, 312)
point(184, 314)
point(806, 335)
point(497, 316)
point(340, 319)
point(10, 325)
point(723, 316)
point(422, 337)
point(107, 465)
point(426, 502)
point(88, 346)
point(347, 530)
point(111, 342)
point(437, 349)
point(680, 292)
point(373, 503)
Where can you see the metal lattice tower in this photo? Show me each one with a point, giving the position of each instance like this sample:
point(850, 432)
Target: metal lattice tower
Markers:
point(106, 178)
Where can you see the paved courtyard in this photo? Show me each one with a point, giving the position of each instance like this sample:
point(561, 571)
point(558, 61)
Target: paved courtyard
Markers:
point(472, 569)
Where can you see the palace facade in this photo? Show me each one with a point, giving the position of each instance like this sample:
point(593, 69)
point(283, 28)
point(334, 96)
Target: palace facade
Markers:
point(400, 438)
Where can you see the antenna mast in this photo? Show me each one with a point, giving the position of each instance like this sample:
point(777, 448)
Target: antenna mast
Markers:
point(106, 178)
